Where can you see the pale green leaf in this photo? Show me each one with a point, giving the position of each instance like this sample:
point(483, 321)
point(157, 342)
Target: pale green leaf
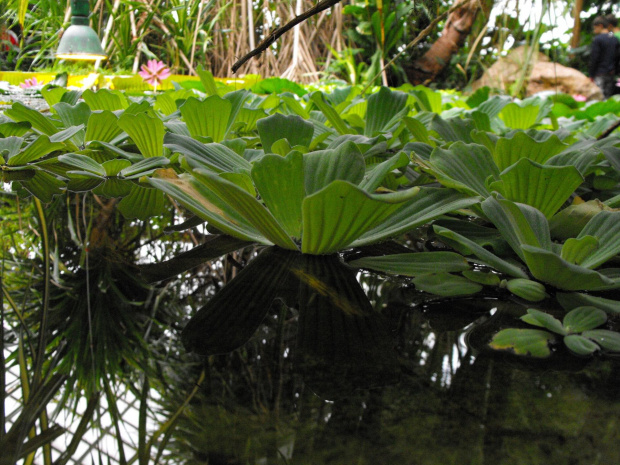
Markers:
point(483, 254)
point(608, 340)
point(583, 319)
point(375, 175)
point(332, 115)
point(519, 224)
point(446, 285)
point(383, 108)
point(84, 163)
point(208, 118)
point(577, 250)
point(531, 342)
point(580, 345)
point(247, 206)
point(414, 264)
point(464, 167)
point(206, 205)
point(280, 183)
point(345, 162)
point(519, 117)
point(543, 187)
point(143, 167)
point(105, 99)
point(293, 128)
point(37, 149)
point(102, 126)
point(550, 268)
point(605, 226)
point(216, 157)
point(570, 221)
point(569, 301)
point(113, 167)
point(340, 213)
point(19, 113)
point(544, 320)
point(146, 131)
point(143, 203)
point(428, 204)
point(510, 150)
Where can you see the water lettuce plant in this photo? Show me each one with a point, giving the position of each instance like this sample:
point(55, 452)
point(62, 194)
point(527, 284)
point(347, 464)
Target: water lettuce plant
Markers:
point(517, 205)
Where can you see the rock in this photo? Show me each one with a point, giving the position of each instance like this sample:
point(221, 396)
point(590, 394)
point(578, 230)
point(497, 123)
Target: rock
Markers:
point(543, 75)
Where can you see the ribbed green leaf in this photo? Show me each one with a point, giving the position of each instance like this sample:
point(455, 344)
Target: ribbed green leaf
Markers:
point(414, 264)
point(115, 187)
point(345, 162)
point(84, 163)
point(428, 204)
point(15, 129)
point(206, 78)
point(143, 203)
point(37, 149)
point(105, 99)
point(571, 220)
point(464, 167)
point(543, 187)
point(577, 250)
point(428, 99)
point(330, 113)
point(544, 320)
point(216, 157)
point(209, 207)
point(19, 112)
point(453, 129)
point(102, 126)
point(147, 133)
point(247, 206)
point(510, 150)
point(43, 186)
point(483, 254)
point(208, 117)
point(113, 167)
point(10, 146)
point(568, 301)
point(446, 285)
point(143, 167)
point(72, 115)
point(250, 116)
point(487, 237)
point(580, 345)
point(608, 340)
point(605, 226)
point(552, 269)
point(292, 128)
point(280, 183)
point(481, 277)
point(518, 224)
point(383, 108)
point(375, 175)
point(417, 130)
point(340, 213)
point(518, 117)
point(532, 342)
point(583, 319)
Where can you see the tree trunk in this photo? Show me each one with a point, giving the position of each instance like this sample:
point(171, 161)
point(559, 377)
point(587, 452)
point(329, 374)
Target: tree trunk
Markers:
point(458, 26)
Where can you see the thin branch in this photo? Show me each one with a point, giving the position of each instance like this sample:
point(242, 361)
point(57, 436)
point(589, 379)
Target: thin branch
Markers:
point(278, 32)
point(611, 129)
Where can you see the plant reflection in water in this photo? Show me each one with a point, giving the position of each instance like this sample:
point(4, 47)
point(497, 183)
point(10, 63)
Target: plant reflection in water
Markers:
point(326, 378)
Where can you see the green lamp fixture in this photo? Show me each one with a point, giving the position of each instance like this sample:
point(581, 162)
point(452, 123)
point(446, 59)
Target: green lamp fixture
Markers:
point(80, 41)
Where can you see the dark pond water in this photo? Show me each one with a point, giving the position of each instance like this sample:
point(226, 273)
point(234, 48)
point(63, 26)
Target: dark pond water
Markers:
point(349, 368)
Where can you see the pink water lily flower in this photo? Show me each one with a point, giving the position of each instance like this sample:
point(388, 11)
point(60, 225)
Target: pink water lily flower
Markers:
point(28, 83)
point(154, 72)
point(580, 98)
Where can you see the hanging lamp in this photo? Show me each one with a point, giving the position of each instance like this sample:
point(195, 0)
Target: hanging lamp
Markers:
point(80, 41)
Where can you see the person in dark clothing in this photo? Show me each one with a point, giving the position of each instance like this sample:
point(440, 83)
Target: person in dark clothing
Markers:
point(603, 57)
